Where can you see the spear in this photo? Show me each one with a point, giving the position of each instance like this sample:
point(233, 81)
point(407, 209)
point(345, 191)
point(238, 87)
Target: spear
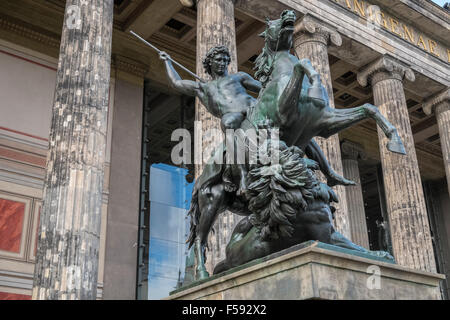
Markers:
point(159, 51)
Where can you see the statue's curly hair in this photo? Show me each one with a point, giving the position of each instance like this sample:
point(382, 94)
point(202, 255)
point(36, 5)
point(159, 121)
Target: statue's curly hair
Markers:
point(211, 54)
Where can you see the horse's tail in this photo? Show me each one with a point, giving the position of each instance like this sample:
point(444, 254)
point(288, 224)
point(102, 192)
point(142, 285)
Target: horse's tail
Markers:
point(194, 213)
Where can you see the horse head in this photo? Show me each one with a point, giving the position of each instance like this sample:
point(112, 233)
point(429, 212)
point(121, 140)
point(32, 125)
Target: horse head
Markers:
point(278, 37)
point(278, 33)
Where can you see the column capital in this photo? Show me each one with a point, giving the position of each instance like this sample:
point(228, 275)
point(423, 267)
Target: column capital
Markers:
point(385, 67)
point(437, 103)
point(352, 150)
point(312, 29)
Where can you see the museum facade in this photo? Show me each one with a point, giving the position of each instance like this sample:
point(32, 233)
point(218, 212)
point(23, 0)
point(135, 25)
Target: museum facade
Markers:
point(91, 204)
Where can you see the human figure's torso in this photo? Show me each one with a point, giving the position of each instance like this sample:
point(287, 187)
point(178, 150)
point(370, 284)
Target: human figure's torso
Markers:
point(226, 95)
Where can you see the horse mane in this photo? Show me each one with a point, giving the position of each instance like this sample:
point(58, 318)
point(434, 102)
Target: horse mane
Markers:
point(278, 193)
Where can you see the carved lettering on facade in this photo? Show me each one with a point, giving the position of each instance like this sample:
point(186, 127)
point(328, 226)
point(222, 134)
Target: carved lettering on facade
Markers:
point(376, 16)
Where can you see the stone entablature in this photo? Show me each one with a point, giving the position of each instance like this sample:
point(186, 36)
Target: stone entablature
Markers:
point(128, 65)
point(360, 38)
point(376, 17)
point(16, 27)
point(429, 6)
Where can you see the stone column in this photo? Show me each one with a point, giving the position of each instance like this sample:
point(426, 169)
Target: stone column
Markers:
point(311, 40)
point(408, 218)
point(68, 247)
point(440, 105)
point(351, 152)
point(215, 27)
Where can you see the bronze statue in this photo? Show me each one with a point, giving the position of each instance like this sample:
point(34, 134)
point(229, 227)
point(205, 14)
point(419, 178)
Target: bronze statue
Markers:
point(284, 203)
point(226, 97)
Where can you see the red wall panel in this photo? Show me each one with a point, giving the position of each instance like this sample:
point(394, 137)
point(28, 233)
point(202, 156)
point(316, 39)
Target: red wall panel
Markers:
point(13, 296)
point(11, 223)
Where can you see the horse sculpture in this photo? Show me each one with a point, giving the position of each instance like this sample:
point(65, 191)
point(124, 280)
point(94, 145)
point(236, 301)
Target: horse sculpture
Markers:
point(286, 203)
point(299, 108)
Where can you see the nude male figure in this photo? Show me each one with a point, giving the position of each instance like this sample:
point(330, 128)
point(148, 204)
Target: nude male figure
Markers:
point(225, 96)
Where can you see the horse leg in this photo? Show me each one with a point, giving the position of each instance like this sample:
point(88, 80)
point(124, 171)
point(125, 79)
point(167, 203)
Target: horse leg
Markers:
point(311, 73)
point(316, 91)
point(239, 232)
point(210, 202)
point(314, 152)
point(339, 119)
point(339, 240)
point(290, 97)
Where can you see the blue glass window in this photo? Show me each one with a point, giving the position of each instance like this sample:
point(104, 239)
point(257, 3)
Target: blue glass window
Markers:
point(170, 197)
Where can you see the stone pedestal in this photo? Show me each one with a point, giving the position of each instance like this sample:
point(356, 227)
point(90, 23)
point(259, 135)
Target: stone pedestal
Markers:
point(314, 270)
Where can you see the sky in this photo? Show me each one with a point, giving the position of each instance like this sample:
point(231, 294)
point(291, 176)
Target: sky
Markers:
point(440, 2)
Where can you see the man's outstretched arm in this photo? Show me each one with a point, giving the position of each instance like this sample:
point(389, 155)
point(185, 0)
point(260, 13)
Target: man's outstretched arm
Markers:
point(314, 152)
point(187, 87)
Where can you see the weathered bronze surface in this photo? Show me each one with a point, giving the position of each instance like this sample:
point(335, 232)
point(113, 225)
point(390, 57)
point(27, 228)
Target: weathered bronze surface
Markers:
point(283, 203)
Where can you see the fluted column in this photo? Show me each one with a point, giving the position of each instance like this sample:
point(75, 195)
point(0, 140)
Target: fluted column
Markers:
point(351, 152)
point(440, 105)
point(311, 40)
point(408, 218)
point(215, 27)
point(68, 247)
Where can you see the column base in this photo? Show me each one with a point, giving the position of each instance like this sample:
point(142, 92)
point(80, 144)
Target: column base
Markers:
point(315, 270)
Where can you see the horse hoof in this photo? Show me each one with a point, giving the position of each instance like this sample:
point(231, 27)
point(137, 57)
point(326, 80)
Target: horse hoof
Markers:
point(316, 93)
point(383, 254)
point(202, 274)
point(396, 146)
